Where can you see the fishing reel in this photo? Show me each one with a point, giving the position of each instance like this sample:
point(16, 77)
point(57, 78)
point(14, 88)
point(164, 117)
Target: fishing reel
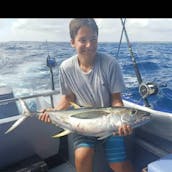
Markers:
point(51, 61)
point(147, 89)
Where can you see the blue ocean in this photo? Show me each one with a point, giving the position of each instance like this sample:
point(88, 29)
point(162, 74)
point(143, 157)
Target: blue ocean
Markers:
point(23, 67)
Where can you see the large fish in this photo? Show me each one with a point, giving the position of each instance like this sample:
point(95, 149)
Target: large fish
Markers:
point(98, 122)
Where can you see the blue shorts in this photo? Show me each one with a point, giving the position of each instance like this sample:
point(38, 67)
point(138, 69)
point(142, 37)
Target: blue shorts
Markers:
point(114, 146)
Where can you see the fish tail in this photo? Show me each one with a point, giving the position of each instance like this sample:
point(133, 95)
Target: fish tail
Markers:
point(74, 105)
point(26, 113)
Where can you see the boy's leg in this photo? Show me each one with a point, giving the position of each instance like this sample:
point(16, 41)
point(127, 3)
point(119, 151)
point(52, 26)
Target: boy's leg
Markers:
point(84, 153)
point(84, 159)
point(116, 154)
point(125, 166)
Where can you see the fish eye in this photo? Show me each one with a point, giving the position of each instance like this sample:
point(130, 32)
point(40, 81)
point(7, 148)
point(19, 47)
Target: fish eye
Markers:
point(134, 111)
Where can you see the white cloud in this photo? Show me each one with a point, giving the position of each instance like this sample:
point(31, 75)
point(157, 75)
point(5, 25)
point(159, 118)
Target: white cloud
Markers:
point(41, 24)
point(57, 29)
point(138, 22)
point(109, 29)
point(40, 29)
point(150, 29)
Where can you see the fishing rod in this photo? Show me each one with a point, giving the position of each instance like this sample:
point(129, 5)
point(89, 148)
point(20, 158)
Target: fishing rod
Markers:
point(145, 89)
point(119, 45)
point(51, 62)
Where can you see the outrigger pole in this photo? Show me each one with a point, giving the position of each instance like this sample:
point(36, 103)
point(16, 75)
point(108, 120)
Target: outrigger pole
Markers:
point(136, 69)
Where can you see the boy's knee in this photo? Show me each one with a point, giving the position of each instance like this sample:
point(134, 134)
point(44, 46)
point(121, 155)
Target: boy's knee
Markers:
point(125, 166)
point(84, 155)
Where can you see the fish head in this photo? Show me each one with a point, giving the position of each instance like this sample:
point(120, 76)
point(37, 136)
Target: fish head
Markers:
point(135, 117)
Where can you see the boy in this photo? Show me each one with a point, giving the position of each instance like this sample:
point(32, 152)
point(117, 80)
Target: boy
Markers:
point(91, 78)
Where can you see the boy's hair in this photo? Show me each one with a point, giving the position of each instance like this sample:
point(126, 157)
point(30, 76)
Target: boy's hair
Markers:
point(77, 23)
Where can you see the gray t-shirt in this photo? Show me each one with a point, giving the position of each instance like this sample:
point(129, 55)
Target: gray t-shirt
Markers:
point(95, 87)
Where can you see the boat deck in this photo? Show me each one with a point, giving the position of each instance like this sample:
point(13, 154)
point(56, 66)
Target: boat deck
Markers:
point(65, 167)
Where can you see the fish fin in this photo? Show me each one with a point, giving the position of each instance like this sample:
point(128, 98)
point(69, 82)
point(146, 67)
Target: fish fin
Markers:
point(17, 123)
point(104, 136)
point(25, 108)
point(26, 113)
point(63, 133)
point(74, 105)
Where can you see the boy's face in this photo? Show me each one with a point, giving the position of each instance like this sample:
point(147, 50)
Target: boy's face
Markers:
point(85, 42)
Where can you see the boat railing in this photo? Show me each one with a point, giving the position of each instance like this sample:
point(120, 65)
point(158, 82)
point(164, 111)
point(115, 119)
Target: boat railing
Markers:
point(49, 93)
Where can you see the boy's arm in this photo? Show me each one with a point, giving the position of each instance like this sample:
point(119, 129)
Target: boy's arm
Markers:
point(116, 100)
point(63, 104)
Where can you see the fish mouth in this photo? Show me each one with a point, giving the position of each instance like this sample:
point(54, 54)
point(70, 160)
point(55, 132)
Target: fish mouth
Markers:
point(141, 122)
point(147, 115)
point(144, 118)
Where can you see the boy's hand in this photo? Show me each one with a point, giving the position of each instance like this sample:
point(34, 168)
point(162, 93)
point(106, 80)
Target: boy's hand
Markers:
point(44, 116)
point(124, 130)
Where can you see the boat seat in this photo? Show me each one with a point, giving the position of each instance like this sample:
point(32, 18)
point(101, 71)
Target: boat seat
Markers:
point(5, 111)
point(163, 164)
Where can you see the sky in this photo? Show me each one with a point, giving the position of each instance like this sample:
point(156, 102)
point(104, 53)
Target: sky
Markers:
point(57, 29)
